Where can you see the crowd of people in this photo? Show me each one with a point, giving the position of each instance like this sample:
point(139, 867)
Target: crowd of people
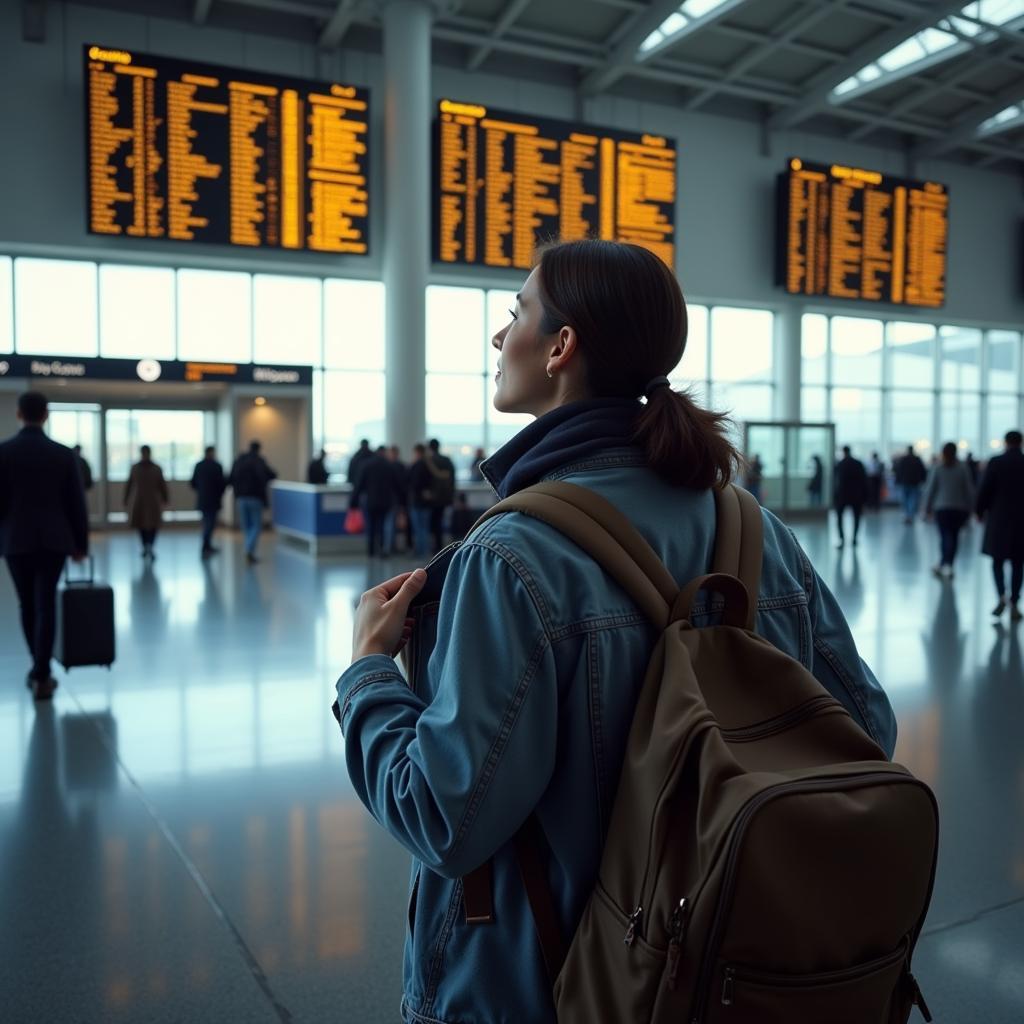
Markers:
point(947, 493)
point(411, 502)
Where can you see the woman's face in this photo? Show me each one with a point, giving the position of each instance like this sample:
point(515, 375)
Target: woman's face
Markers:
point(522, 380)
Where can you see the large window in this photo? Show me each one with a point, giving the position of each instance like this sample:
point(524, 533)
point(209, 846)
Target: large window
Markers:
point(176, 436)
point(137, 315)
point(741, 343)
point(214, 316)
point(6, 305)
point(55, 307)
point(286, 320)
point(905, 383)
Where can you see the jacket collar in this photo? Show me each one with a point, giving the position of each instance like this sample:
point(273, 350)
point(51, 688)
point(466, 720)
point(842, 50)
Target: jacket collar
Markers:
point(573, 433)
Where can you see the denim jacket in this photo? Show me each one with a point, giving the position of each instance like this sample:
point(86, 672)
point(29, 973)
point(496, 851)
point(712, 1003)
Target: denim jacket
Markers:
point(526, 707)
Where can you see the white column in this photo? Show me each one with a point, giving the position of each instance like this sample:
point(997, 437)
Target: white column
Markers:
point(788, 363)
point(407, 159)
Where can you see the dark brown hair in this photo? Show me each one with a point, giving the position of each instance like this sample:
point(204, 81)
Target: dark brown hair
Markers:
point(949, 453)
point(629, 314)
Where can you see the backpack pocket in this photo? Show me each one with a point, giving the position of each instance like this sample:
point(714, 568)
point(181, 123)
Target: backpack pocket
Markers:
point(867, 993)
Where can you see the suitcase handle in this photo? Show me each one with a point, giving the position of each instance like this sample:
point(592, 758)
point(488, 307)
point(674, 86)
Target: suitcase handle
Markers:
point(86, 582)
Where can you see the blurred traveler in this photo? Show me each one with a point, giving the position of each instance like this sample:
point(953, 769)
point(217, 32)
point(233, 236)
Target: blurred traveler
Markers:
point(463, 517)
point(442, 489)
point(42, 522)
point(209, 483)
point(949, 494)
point(910, 473)
point(1000, 505)
point(397, 522)
point(316, 472)
point(249, 478)
point(145, 497)
point(876, 472)
point(540, 655)
point(475, 473)
point(376, 492)
point(358, 459)
point(418, 490)
point(974, 467)
point(84, 469)
point(816, 485)
point(851, 480)
point(755, 477)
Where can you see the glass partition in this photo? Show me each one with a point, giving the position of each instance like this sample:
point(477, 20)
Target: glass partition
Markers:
point(796, 466)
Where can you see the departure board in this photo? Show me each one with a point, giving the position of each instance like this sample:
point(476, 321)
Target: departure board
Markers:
point(504, 182)
point(849, 233)
point(201, 153)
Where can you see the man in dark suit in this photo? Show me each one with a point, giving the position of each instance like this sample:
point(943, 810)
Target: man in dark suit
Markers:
point(42, 521)
point(209, 483)
point(851, 482)
point(1000, 505)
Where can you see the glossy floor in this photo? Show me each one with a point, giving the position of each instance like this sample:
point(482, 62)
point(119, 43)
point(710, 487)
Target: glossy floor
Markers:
point(179, 841)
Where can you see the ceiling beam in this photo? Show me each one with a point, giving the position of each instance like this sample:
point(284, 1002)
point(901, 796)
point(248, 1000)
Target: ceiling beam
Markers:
point(799, 21)
point(623, 54)
point(337, 25)
point(965, 130)
point(817, 89)
point(201, 11)
point(508, 17)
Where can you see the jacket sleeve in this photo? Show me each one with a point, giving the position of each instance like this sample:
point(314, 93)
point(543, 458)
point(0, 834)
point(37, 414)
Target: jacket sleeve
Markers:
point(839, 667)
point(453, 777)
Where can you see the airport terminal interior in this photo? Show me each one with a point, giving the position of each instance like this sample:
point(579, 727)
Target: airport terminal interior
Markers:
point(302, 222)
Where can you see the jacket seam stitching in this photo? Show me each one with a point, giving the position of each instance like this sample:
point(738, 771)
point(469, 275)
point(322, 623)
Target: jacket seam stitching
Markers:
point(522, 573)
point(598, 623)
point(508, 722)
point(374, 677)
point(437, 955)
point(420, 1018)
point(843, 676)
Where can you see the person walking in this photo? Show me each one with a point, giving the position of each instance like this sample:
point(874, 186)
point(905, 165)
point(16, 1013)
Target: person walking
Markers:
point(397, 522)
point(249, 478)
point(84, 469)
point(145, 497)
point(442, 489)
point(209, 483)
point(949, 496)
point(755, 477)
point(974, 467)
point(377, 493)
point(42, 522)
point(418, 490)
point(361, 455)
point(1000, 505)
point(876, 471)
point(851, 492)
point(527, 699)
point(816, 485)
point(316, 472)
point(910, 473)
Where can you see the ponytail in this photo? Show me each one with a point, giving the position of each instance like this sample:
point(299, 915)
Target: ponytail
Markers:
point(686, 445)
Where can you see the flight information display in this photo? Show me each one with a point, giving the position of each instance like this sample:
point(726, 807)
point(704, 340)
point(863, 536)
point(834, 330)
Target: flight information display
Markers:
point(202, 153)
point(849, 233)
point(504, 182)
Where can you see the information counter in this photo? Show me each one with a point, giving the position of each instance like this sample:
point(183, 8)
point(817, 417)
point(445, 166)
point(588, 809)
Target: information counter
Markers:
point(314, 514)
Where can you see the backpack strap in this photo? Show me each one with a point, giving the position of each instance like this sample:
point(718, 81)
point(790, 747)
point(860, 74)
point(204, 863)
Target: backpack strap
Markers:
point(598, 527)
point(739, 541)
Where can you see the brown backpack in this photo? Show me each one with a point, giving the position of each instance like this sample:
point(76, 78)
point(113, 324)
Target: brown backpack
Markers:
point(765, 863)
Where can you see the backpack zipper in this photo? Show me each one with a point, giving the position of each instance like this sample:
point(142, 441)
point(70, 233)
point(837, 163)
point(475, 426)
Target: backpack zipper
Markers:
point(677, 930)
point(781, 722)
point(634, 924)
point(753, 805)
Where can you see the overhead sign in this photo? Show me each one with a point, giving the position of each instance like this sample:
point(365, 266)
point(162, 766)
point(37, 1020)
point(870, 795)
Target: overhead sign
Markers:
point(504, 182)
point(850, 233)
point(203, 153)
point(150, 371)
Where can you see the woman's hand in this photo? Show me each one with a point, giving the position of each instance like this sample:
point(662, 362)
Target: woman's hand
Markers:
point(381, 624)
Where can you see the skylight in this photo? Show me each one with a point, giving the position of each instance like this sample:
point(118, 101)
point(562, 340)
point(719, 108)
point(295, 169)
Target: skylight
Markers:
point(690, 15)
point(1010, 117)
point(948, 38)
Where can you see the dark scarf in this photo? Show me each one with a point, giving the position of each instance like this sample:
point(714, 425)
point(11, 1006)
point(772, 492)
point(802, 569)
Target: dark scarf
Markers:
point(567, 434)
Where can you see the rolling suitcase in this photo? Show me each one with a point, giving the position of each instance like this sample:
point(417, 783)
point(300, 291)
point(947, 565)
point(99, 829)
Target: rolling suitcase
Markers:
point(85, 622)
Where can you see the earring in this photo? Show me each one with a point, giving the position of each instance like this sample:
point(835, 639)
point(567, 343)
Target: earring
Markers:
point(549, 373)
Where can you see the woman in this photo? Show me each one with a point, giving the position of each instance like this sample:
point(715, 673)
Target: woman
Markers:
point(531, 688)
point(949, 495)
point(145, 496)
